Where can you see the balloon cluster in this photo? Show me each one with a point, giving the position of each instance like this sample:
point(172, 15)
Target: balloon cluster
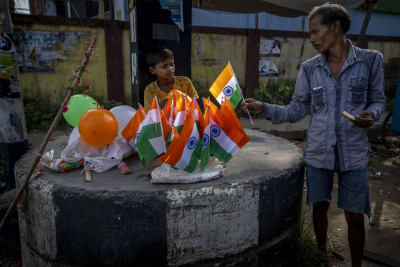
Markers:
point(97, 126)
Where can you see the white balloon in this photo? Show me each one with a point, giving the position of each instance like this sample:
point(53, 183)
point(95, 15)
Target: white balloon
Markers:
point(128, 107)
point(123, 114)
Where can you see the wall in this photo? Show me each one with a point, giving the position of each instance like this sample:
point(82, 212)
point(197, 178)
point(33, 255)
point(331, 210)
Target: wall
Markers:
point(50, 87)
point(213, 47)
point(211, 53)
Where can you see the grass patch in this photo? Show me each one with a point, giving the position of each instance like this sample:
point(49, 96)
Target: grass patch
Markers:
point(306, 252)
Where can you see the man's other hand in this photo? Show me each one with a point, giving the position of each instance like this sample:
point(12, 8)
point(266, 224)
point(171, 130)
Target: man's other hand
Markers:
point(254, 106)
point(364, 120)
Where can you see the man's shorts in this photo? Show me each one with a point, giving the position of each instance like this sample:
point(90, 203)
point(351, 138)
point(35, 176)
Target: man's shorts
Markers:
point(353, 193)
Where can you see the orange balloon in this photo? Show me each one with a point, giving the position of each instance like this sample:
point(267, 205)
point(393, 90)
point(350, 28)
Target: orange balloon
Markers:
point(98, 127)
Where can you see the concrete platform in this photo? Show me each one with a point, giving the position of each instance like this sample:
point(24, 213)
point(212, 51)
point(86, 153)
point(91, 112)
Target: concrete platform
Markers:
point(250, 214)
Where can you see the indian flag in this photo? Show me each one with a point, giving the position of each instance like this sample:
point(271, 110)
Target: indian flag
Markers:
point(213, 108)
point(206, 149)
point(227, 138)
point(180, 97)
point(198, 118)
point(180, 116)
point(169, 109)
point(151, 143)
point(185, 151)
point(229, 114)
point(227, 86)
point(131, 129)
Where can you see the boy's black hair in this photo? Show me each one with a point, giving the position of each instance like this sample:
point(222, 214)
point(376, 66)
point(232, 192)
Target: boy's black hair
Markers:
point(330, 13)
point(158, 54)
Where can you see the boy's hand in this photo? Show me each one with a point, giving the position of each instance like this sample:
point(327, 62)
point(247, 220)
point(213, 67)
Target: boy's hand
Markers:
point(253, 105)
point(364, 120)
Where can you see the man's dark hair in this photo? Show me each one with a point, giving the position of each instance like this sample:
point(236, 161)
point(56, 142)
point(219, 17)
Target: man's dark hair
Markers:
point(330, 13)
point(158, 54)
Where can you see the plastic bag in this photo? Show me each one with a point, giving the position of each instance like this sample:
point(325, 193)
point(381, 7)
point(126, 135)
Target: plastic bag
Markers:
point(99, 159)
point(59, 165)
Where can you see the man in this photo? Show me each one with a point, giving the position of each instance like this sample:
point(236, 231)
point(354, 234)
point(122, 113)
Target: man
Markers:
point(341, 78)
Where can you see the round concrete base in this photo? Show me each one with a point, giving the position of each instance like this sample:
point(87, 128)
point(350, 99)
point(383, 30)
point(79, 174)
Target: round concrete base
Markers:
point(118, 220)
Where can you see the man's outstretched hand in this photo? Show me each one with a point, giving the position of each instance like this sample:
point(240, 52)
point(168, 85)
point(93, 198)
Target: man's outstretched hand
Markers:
point(364, 120)
point(254, 106)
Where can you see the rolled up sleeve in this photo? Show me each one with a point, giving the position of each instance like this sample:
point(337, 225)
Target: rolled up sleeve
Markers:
point(376, 95)
point(297, 109)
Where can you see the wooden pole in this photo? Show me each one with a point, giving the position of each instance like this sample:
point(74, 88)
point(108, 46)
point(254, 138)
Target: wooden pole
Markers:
point(361, 42)
point(71, 92)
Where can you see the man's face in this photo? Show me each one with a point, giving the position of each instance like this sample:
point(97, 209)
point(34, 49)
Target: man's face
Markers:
point(165, 69)
point(322, 37)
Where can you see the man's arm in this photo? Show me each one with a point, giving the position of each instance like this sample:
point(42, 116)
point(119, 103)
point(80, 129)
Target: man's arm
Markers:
point(295, 111)
point(376, 96)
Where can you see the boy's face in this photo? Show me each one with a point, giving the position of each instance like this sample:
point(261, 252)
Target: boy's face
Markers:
point(165, 69)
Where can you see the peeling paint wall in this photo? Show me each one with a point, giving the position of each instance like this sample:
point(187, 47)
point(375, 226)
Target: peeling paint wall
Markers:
point(211, 53)
point(50, 87)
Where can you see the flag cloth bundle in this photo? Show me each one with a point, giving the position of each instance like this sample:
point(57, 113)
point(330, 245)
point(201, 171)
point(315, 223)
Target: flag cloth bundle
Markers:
point(131, 129)
point(185, 151)
point(151, 142)
point(226, 85)
point(227, 134)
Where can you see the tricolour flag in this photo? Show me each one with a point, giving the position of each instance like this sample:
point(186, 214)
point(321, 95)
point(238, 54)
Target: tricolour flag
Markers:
point(227, 136)
point(185, 151)
point(213, 108)
point(227, 85)
point(206, 149)
point(199, 119)
point(180, 116)
point(151, 142)
point(131, 129)
point(180, 97)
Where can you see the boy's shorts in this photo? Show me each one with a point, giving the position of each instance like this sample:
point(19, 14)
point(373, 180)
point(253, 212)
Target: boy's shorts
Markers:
point(353, 193)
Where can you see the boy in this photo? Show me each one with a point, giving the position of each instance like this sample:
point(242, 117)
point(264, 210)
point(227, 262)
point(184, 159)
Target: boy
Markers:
point(161, 63)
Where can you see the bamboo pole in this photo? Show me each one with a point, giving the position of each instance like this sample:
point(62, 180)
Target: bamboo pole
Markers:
point(45, 141)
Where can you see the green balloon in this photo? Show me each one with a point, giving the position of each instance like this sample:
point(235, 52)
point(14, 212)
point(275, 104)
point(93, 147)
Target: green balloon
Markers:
point(77, 106)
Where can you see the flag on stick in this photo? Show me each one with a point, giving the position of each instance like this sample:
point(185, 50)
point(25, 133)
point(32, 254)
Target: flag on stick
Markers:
point(131, 129)
point(206, 149)
point(185, 151)
point(151, 142)
point(227, 85)
point(227, 134)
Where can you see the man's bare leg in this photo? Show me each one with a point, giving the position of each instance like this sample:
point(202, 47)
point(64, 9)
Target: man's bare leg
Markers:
point(320, 221)
point(356, 236)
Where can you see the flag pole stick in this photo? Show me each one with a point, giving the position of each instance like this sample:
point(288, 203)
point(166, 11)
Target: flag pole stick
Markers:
point(71, 91)
point(241, 93)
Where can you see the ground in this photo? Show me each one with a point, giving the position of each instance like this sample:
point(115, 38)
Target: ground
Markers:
point(383, 230)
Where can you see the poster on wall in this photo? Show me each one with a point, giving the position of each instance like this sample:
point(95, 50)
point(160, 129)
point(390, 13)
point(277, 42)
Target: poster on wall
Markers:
point(12, 125)
point(37, 50)
point(267, 68)
point(270, 47)
point(176, 9)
